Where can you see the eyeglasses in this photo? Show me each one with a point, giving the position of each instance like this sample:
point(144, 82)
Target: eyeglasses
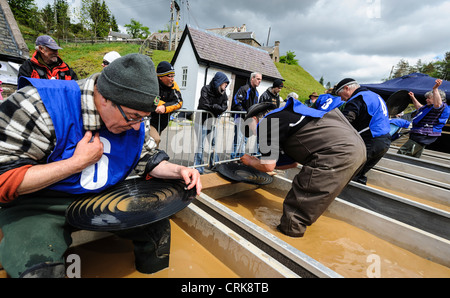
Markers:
point(105, 62)
point(132, 120)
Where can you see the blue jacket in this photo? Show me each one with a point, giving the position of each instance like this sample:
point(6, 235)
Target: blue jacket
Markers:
point(377, 110)
point(245, 98)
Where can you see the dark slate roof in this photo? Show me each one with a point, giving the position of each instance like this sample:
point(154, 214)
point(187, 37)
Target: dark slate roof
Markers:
point(224, 52)
point(9, 46)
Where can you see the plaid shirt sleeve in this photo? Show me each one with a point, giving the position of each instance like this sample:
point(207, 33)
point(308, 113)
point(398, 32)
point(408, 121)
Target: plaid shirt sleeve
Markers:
point(26, 130)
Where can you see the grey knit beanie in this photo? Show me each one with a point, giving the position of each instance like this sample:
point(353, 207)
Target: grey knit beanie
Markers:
point(130, 81)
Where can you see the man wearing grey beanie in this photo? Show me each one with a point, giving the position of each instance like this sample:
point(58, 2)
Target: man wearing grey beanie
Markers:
point(73, 138)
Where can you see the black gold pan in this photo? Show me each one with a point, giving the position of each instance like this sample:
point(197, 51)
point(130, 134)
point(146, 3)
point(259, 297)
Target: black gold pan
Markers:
point(131, 203)
point(239, 172)
point(398, 102)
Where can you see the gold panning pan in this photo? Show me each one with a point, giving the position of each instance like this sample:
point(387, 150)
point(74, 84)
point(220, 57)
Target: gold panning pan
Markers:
point(131, 203)
point(239, 172)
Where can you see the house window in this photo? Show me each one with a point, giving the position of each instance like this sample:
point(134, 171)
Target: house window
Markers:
point(185, 77)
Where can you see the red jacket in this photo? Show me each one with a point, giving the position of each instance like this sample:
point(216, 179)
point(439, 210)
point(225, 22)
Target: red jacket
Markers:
point(32, 68)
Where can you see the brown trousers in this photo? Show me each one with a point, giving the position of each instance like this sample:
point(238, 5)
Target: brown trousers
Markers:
point(331, 152)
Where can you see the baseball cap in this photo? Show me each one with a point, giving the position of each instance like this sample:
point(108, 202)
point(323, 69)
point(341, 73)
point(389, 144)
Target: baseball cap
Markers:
point(111, 56)
point(278, 83)
point(45, 40)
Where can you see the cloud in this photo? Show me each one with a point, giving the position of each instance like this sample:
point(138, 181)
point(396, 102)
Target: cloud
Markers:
point(331, 38)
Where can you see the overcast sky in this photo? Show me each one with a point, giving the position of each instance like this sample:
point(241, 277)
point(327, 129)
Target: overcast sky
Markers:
point(335, 39)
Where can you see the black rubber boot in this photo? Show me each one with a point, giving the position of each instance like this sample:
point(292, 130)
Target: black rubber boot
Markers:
point(153, 255)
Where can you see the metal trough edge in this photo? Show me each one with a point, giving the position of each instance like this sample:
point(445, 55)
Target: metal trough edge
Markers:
point(439, 178)
point(289, 256)
point(435, 162)
point(424, 244)
point(421, 216)
point(232, 249)
point(425, 191)
point(420, 242)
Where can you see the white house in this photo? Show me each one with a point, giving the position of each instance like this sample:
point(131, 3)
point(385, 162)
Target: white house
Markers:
point(117, 36)
point(201, 54)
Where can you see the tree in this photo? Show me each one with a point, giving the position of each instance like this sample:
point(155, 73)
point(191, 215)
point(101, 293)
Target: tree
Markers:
point(445, 72)
point(321, 81)
point(113, 24)
point(437, 69)
point(48, 19)
point(104, 21)
point(25, 12)
point(136, 30)
point(96, 17)
point(62, 18)
point(289, 58)
point(402, 69)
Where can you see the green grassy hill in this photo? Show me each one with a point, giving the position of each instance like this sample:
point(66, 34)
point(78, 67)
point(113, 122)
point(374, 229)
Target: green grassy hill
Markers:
point(299, 81)
point(86, 59)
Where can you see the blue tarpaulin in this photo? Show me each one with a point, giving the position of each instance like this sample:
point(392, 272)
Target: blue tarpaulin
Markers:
point(418, 83)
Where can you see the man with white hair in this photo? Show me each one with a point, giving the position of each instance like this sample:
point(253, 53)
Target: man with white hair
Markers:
point(368, 114)
point(244, 98)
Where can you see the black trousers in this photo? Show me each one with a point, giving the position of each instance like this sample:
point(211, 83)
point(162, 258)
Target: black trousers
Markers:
point(376, 148)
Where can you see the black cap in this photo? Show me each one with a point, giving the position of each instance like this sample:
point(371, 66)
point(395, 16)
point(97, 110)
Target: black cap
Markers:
point(342, 84)
point(260, 108)
point(278, 83)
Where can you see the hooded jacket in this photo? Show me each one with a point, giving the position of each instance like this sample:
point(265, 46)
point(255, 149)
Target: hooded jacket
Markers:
point(211, 99)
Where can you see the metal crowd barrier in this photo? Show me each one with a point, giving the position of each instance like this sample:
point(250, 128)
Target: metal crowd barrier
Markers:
point(191, 130)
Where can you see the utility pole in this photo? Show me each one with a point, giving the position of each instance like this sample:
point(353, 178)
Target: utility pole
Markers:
point(177, 7)
point(171, 24)
point(56, 18)
point(174, 6)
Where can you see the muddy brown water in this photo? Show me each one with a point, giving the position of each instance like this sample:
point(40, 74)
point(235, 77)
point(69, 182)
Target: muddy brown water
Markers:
point(345, 249)
point(338, 245)
point(113, 257)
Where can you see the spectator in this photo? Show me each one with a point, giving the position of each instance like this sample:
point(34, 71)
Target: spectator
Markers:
point(244, 98)
point(312, 99)
point(213, 99)
point(46, 63)
point(109, 58)
point(272, 94)
point(170, 100)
